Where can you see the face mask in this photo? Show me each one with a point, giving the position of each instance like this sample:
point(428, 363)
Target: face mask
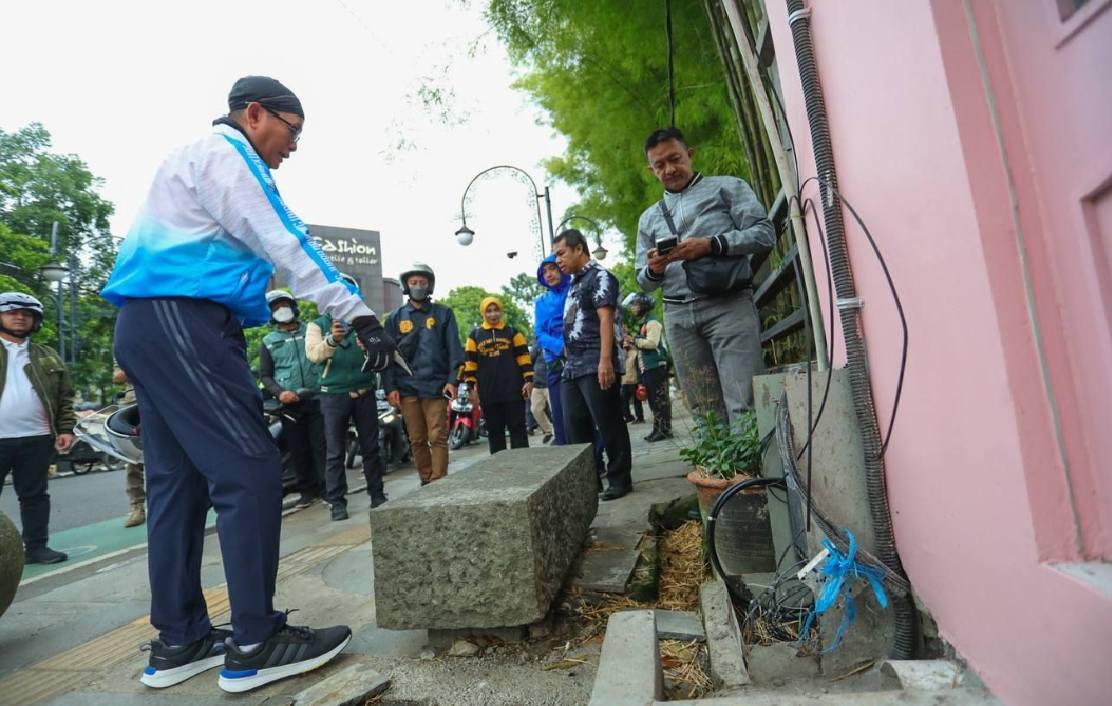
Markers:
point(418, 293)
point(284, 315)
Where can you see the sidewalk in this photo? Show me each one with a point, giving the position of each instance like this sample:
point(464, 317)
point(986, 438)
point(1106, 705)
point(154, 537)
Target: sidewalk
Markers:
point(74, 639)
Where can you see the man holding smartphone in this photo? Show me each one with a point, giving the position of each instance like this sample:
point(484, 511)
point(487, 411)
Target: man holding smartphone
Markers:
point(695, 244)
point(347, 396)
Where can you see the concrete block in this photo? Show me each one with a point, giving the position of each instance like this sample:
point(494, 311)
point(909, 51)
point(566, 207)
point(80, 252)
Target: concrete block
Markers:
point(766, 393)
point(679, 625)
point(768, 663)
point(11, 561)
point(629, 672)
point(488, 547)
point(607, 571)
point(839, 487)
point(724, 645)
point(347, 687)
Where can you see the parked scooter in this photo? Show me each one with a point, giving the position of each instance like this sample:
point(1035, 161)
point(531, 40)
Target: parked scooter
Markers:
point(114, 431)
point(393, 438)
point(465, 419)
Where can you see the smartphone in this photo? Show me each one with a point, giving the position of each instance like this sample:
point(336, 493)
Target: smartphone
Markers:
point(666, 245)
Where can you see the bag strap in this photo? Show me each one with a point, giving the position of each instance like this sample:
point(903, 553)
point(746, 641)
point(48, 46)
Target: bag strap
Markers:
point(668, 219)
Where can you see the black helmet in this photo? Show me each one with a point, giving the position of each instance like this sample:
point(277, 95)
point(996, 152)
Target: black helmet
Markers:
point(639, 303)
point(418, 268)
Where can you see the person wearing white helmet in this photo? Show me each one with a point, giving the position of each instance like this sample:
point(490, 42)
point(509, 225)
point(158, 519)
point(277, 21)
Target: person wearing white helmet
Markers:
point(285, 370)
point(36, 417)
point(428, 341)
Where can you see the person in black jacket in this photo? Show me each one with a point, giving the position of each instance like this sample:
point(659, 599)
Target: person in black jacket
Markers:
point(428, 340)
point(498, 362)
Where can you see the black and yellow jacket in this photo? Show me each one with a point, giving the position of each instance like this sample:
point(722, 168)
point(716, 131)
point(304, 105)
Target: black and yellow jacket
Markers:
point(497, 358)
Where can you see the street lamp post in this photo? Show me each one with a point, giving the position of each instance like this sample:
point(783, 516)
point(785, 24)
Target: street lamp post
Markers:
point(599, 252)
point(55, 272)
point(465, 235)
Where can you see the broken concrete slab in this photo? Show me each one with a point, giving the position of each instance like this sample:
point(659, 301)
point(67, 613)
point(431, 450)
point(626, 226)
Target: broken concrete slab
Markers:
point(607, 571)
point(679, 625)
point(501, 539)
point(780, 661)
point(616, 538)
point(629, 672)
point(347, 687)
point(724, 645)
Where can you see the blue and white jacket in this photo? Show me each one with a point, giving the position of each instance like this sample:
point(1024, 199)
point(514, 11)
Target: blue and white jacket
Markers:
point(215, 227)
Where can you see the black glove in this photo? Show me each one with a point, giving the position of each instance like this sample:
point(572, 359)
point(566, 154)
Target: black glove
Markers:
point(377, 344)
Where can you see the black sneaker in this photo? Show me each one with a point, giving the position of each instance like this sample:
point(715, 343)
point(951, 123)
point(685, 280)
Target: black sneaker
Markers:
point(291, 651)
point(377, 500)
point(547, 439)
point(43, 555)
point(339, 512)
point(173, 665)
point(305, 500)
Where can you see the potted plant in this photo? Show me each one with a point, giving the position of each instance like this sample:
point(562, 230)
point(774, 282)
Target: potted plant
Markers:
point(722, 455)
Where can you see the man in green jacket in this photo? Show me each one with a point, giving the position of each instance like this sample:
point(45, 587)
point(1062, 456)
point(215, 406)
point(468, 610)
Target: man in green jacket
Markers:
point(36, 417)
point(347, 394)
point(284, 369)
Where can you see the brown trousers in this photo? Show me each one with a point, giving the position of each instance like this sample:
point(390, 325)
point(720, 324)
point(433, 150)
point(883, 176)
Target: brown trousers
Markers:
point(426, 420)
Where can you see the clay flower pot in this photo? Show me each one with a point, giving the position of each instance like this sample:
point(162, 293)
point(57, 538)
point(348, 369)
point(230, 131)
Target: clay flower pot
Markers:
point(710, 488)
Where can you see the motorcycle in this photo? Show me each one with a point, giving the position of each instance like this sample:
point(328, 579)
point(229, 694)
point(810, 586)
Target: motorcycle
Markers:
point(393, 438)
point(465, 419)
point(114, 432)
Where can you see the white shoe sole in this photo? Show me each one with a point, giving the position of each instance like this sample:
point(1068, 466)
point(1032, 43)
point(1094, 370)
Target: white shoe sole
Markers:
point(169, 677)
point(265, 676)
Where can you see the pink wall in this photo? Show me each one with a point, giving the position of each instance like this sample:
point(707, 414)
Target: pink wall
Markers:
point(978, 491)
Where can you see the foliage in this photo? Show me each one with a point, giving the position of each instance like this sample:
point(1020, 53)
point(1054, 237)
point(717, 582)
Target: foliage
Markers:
point(599, 69)
point(37, 188)
point(464, 301)
point(722, 451)
point(523, 290)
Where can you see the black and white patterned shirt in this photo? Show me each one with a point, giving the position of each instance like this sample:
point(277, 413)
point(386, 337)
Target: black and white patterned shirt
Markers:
point(593, 288)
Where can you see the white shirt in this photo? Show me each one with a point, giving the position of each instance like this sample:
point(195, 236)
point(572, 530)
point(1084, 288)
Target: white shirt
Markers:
point(21, 410)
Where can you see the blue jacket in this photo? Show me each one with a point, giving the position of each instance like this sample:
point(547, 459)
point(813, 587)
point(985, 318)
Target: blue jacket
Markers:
point(548, 314)
point(214, 227)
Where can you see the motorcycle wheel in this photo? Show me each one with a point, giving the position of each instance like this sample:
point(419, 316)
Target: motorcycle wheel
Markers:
point(352, 452)
point(82, 467)
point(458, 438)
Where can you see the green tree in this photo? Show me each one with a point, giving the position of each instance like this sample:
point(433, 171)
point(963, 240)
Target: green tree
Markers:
point(523, 291)
point(599, 70)
point(465, 301)
point(37, 188)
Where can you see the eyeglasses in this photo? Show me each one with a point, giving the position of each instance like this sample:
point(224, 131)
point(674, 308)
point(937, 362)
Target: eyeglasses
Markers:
point(295, 132)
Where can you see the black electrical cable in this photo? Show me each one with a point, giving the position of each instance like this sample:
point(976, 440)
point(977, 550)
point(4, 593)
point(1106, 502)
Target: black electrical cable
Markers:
point(895, 298)
point(671, 66)
point(730, 492)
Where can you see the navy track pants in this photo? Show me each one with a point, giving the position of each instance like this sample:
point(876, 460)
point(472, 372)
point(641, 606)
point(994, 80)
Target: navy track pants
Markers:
point(205, 444)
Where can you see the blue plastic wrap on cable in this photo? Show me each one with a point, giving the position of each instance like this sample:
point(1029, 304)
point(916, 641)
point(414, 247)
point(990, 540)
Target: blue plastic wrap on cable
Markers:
point(835, 583)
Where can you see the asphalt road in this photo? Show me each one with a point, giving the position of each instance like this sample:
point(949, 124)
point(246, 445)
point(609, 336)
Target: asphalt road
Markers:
point(77, 501)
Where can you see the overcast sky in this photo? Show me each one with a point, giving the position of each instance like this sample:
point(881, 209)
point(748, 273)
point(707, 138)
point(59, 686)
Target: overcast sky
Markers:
point(123, 82)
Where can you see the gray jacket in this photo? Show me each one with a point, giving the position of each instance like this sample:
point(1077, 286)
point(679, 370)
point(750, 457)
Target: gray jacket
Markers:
point(723, 208)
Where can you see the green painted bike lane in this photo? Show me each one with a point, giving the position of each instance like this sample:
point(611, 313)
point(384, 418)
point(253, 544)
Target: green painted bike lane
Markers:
point(92, 542)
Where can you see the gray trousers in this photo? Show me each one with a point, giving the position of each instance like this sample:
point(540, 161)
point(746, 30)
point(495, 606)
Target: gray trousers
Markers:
point(716, 346)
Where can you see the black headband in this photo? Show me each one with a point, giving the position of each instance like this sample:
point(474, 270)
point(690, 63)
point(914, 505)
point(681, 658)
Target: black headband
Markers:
point(268, 92)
